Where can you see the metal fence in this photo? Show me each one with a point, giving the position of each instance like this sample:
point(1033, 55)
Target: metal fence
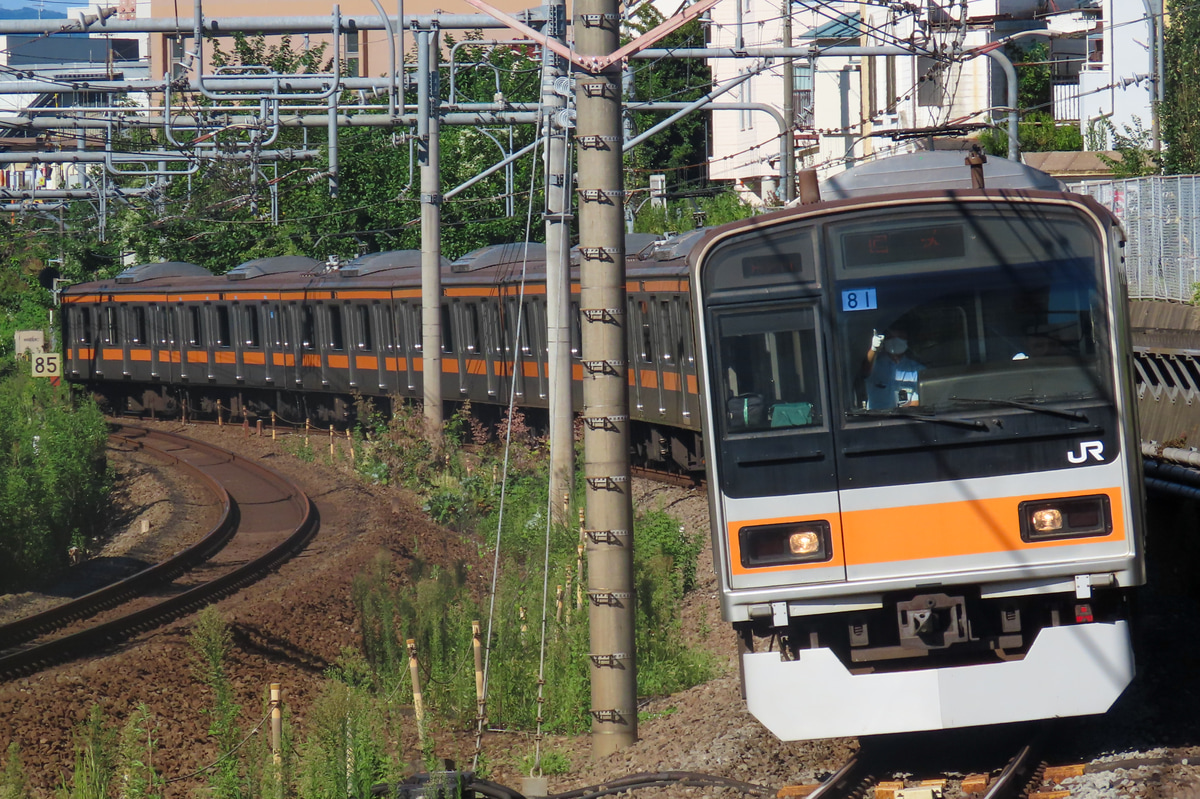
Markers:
point(1162, 220)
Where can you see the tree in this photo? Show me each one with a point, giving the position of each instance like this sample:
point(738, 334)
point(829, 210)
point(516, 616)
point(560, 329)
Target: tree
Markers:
point(1181, 92)
point(680, 150)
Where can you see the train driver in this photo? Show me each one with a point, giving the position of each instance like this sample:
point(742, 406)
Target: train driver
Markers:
point(891, 378)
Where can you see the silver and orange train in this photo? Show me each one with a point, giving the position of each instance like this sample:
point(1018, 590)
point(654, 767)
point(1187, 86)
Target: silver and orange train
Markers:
point(298, 338)
point(924, 466)
point(949, 545)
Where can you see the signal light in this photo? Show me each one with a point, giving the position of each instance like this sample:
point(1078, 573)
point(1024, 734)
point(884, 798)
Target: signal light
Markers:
point(1083, 613)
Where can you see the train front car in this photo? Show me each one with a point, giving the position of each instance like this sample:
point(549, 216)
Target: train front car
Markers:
point(924, 477)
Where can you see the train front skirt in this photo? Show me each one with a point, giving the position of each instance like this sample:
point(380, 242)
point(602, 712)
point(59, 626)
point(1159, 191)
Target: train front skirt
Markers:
point(1069, 671)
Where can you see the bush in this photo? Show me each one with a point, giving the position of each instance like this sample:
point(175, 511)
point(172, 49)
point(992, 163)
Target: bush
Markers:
point(54, 480)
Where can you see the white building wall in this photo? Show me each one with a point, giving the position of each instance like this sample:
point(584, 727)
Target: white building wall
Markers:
point(1109, 87)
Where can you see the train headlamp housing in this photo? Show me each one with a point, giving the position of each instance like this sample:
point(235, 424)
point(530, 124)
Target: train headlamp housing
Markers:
point(785, 544)
point(1069, 517)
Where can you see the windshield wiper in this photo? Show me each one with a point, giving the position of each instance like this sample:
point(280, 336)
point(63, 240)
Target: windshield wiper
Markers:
point(1027, 406)
point(904, 413)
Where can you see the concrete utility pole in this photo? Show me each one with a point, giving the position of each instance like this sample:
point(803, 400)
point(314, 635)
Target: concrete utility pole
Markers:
point(429, 159)
point(558, 269)
point(789, 103)
point(605, 381)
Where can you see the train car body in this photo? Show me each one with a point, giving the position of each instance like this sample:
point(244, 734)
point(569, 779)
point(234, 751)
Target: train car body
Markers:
point(298, 338)
point(951, 543)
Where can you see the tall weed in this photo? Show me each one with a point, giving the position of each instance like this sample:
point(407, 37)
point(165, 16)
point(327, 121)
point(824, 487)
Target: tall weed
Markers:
point(211, 644)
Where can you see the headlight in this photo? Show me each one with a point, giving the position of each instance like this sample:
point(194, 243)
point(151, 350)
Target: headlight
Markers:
point(783, 544)
point(1070, 517)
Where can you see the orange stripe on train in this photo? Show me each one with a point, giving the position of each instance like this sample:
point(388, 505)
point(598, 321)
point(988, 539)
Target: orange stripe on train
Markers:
point(949, 529)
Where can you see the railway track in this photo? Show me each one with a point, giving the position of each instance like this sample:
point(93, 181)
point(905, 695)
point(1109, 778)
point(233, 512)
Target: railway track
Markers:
point(863, 775)
point(265, 519)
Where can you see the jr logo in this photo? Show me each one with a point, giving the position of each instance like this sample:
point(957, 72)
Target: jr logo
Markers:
point(1093, 449)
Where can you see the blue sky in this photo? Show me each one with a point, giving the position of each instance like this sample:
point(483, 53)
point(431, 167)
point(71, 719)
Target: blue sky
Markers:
point(53, 8)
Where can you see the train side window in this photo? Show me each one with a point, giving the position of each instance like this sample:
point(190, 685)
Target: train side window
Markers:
point(447, 332)
point(224, 338)
point(194, 325)
point(308, 327)
point(276, 330)
point(337, 339)
point(666, 323)
point(365, 343)
point(85, 325)
point(646, 335)
point(158, 326)
point(683, 331)
point(250, 322)
point(470, 331)
point(136, 317)
point(526, 326)
point(112, 333)
point(576, 332)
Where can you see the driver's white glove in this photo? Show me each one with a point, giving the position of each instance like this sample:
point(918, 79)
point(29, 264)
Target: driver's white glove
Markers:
point(876, 341)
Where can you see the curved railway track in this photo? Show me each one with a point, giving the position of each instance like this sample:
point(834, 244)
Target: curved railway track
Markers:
point(265, 520)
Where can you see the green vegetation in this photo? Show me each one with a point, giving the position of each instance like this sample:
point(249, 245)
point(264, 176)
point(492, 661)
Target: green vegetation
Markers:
point(434, 606)
point(1181, 93)
point(53, 479)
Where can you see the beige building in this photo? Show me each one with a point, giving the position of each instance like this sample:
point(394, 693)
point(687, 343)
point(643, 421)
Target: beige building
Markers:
point(365, 51)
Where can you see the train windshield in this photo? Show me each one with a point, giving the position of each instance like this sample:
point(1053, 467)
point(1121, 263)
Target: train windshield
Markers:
point(946, 311)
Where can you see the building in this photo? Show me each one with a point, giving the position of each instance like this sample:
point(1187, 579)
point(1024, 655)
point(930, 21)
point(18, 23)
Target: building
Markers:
point(850, 107)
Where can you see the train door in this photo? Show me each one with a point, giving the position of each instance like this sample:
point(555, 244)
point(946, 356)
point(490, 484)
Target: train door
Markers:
point(272, 344)
point(168, 343)
point(221, 354)
point(111, 358)
point(385, 336)
point(493, 347)
point(155, 333)
point(515, 326)
point(336, 369)
point(774, 445)
point(641, 353)
point(308, 346)
point(408, 345)
point(539, 351)
point(81, 349)
point(681, 315)
point(188, 320)
point(471, 367)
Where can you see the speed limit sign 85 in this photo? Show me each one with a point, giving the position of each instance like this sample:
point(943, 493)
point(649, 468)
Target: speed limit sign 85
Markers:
point(47, 364)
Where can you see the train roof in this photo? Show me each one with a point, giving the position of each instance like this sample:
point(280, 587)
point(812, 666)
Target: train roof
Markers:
point(932, 171)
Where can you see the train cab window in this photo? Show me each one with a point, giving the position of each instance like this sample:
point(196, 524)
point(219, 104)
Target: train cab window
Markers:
point(363, 312)
point(768, 374)
point(990, 313)
point(112, 331)
point(308, 327)
point(223, 338)
point(194, 325)
point(337, 338)
point(250, 333)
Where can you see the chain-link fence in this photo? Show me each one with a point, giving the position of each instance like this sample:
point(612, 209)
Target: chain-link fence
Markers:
point(1162, 219)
